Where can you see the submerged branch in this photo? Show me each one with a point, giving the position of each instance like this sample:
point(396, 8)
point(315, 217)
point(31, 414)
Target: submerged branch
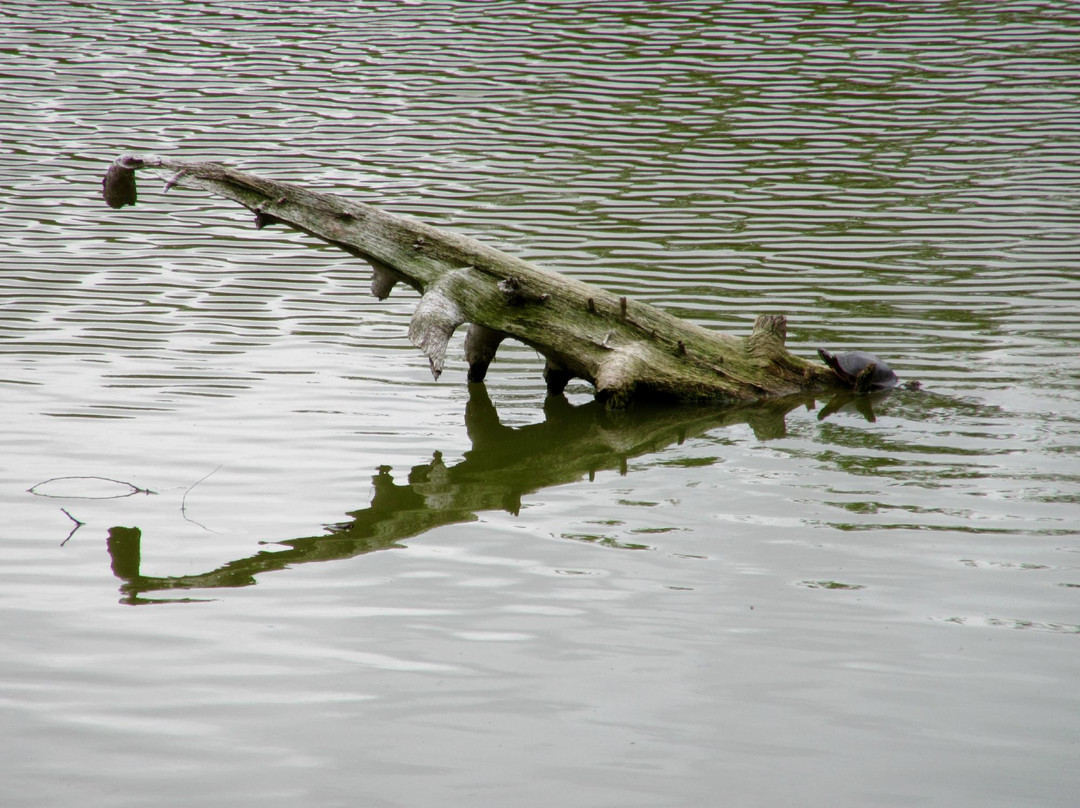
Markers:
point(77, 522)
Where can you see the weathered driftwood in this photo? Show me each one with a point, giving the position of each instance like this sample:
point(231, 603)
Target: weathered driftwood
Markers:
point(625, 348)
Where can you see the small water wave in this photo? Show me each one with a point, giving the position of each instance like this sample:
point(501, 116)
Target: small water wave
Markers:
point(895, 178)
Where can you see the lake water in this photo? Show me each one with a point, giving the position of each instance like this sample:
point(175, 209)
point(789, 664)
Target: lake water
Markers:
point(524, 603)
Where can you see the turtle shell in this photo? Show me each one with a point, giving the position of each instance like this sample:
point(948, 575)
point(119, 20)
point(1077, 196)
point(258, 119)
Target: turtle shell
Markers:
point(849, 365)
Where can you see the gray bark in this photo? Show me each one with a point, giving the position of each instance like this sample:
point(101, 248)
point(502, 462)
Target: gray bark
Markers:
point(626, 349)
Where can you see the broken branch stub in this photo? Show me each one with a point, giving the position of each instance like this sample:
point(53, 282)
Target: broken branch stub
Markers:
point(625, 348)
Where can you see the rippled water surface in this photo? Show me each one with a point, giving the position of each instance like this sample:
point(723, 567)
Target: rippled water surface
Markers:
point(524, 602)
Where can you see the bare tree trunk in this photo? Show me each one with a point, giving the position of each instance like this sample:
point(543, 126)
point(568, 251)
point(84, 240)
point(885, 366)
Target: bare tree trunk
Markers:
point(625, 348)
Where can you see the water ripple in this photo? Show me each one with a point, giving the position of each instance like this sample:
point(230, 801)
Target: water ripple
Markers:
point(901, 178)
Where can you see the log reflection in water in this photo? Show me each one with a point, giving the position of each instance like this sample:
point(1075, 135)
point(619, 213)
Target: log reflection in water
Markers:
point(504, 464)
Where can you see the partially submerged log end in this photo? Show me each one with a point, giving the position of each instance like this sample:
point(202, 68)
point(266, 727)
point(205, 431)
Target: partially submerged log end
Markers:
point(118, 186)
point(481, 343)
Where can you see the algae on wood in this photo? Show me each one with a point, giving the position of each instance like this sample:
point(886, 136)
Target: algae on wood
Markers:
point(626, 349)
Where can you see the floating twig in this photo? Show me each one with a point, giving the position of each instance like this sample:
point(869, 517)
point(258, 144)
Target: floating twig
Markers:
point(183, 500)
point(78, 524)
point(134, 489)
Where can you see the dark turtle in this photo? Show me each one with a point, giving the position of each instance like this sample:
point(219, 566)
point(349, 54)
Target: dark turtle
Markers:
point(862, 371)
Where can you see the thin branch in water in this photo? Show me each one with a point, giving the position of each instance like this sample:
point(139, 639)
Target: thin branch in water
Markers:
point(64, 495)
point(183, 500)
point(78, 524)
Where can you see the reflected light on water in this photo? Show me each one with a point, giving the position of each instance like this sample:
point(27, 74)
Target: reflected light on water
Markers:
point(821, 602)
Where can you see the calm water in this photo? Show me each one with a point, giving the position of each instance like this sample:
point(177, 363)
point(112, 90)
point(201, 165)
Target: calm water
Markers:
point(522, 602)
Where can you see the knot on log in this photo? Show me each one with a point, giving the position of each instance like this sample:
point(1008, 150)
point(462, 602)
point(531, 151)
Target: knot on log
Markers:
point(516, 294)
point(263, 219)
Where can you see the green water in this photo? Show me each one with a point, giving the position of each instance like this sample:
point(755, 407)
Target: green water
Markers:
point(292, 569)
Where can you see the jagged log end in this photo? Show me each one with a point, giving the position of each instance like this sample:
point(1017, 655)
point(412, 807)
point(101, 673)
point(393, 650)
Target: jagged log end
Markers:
point(481, 343)
point(782, 371)
point(433, 323)
point(775, 324)
point(768, 337)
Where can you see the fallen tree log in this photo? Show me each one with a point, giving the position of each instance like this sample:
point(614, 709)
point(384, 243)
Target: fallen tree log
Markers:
point(626, 349)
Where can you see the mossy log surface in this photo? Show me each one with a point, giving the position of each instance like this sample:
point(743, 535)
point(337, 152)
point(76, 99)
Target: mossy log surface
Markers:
point(626, 349)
